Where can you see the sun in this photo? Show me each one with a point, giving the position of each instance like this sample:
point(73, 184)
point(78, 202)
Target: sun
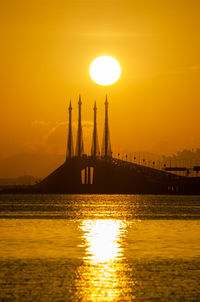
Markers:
point(105, 70)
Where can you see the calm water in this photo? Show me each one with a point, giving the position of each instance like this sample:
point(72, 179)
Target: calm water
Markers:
point(99, 248)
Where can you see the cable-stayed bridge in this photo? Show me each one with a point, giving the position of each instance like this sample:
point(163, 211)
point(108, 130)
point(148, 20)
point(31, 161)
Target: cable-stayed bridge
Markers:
point(101, 173)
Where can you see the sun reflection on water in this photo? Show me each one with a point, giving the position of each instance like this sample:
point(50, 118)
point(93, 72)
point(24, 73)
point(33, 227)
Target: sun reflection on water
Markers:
point(102, 277)
point(103, 239)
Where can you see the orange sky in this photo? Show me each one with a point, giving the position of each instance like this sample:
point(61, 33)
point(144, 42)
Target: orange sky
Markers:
point(47, 47)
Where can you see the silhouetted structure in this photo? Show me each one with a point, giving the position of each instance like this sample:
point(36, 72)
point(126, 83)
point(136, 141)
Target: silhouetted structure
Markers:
point(79, 143)
point(105, 174)
point(106, 145)
point(70, 148)
point(95, 144)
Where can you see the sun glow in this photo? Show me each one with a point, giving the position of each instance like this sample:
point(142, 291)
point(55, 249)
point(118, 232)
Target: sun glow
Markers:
point(105, 70)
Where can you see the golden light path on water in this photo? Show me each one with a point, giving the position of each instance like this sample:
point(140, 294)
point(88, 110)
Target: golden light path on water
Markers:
point(103, 275)
point(102, 237)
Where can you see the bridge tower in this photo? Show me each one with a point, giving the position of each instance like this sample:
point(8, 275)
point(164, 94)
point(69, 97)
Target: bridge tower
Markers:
point(79, 142)
point(70, 147)
point(106, 146)
point(95, 145)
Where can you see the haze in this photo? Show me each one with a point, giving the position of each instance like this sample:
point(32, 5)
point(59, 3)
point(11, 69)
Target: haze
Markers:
point(47, 48)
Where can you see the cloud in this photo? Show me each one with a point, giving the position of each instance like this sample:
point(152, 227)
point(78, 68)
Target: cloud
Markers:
point(63, 126)
point(47, 138)
point(40, 123)
point(56, 138)
point(85, 124)
point(54, 129)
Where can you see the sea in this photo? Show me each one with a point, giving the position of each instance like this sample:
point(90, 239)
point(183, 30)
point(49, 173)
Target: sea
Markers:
point(99, 248)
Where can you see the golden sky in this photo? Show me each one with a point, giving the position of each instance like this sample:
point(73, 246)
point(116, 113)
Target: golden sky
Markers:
point(48, 46)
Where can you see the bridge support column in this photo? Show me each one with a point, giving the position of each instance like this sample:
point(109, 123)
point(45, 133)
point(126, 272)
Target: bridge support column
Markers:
point(89, 180)
point(85, 182)
point(87, 176)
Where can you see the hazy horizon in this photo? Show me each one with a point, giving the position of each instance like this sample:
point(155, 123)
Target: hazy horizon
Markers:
point(39, 165)
point(46, 52)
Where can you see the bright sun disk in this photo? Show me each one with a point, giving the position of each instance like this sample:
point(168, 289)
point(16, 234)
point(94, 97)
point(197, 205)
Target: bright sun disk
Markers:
point(105, 70)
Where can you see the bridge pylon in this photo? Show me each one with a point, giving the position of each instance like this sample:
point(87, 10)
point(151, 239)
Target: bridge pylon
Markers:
point(70, 147)
point(79, 142)
point(95, 144)
point(106, 145)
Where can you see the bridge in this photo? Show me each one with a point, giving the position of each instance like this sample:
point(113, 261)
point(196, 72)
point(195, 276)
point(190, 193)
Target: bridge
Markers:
point(101, 173)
